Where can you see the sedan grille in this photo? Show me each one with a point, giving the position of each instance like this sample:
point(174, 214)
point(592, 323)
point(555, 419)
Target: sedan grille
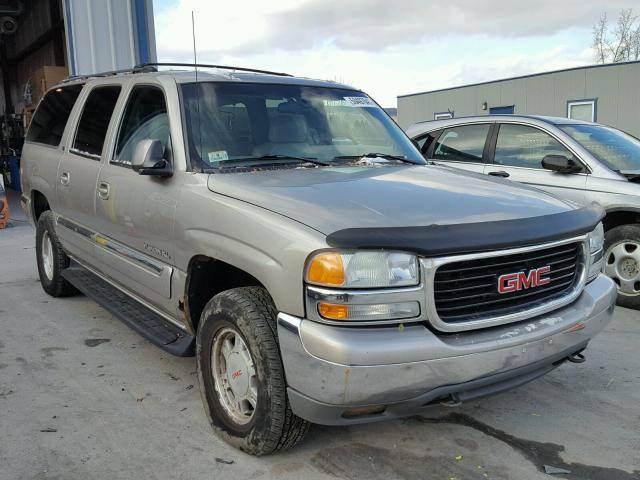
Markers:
point(468, 290)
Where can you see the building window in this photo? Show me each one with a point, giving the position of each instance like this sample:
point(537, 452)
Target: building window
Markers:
point(506, 110)
point(582, 110)
point(442, 115)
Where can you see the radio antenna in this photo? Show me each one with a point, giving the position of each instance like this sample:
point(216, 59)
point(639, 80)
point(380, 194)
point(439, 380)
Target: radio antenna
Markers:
point(195, 64)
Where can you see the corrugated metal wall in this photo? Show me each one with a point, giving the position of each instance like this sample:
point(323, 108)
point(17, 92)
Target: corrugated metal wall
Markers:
point(108, 34)
point(616, 88)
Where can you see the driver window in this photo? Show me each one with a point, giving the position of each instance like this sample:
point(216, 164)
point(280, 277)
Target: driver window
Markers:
point(145, 117)
point(523, 146)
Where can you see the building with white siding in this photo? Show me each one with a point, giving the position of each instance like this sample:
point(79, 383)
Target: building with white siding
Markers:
point(608, 94)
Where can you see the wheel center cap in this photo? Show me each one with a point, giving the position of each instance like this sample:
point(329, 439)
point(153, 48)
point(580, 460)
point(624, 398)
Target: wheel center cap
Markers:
point(629, 268)
point(238, 374)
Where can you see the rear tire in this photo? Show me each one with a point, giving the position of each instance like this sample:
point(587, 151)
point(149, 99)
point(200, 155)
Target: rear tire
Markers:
point(51, 258)
point(622, 263)
point(239, 364)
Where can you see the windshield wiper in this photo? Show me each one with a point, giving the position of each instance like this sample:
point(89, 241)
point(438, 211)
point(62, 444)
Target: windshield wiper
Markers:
point(312, 160)
point(375, 155)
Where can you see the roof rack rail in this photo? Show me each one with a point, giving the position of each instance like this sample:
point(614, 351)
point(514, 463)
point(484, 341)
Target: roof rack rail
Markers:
point(206, 65)
point(136, 69)
point(152, 67)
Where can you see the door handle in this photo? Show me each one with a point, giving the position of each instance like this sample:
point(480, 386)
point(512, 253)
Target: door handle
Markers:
point(500, 173)
point(103, 190)
point(64, 178)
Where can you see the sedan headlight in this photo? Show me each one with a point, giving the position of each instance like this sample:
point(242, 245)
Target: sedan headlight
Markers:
point(596, 251)
point(366, 269)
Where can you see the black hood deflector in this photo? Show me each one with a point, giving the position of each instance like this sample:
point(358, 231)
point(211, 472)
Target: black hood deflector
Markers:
point(437, 240)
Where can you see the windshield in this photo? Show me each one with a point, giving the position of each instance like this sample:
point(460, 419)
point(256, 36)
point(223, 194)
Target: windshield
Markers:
point(230, 123)
point(616, 149)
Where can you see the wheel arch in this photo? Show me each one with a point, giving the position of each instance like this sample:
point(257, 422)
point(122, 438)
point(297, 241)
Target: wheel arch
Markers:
point(208, 276)
point(615, 217)
point(39, 204)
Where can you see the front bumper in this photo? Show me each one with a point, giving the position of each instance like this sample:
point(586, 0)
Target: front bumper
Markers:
point(331, 370)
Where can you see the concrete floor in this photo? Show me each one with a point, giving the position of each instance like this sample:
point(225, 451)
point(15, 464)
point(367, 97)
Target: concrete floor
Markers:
point(84, 397)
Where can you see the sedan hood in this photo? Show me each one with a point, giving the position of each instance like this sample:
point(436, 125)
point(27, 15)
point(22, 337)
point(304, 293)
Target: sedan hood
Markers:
point(632, 175)
point(331, 199)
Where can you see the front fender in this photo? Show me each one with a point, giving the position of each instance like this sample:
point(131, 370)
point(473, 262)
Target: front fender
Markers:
point(270, 247)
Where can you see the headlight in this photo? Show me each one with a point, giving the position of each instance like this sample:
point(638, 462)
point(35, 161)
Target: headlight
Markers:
point(596, 246)
point(375, 269)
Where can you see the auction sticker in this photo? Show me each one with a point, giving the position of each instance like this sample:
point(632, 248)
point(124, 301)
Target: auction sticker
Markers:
point(359, 102)
point(218, 156)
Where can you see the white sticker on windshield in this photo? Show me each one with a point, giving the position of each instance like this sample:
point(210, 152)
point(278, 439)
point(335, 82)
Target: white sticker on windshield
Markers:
point(359, 102)
point(217, 156)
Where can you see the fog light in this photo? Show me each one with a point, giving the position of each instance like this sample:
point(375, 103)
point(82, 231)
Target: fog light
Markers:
point(363, 313)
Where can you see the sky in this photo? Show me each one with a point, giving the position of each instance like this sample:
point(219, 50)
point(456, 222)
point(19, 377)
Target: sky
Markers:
point(386, 48)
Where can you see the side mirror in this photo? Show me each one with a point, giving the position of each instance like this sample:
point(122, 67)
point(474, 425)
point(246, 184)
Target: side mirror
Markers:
point(148, 159)
point(561, 164)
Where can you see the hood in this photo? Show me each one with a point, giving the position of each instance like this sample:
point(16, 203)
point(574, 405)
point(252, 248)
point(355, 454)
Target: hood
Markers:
point(331, 199)
point(631, 175)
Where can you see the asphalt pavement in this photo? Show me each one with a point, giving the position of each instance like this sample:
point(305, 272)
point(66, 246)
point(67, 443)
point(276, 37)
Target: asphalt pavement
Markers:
point(84, 397)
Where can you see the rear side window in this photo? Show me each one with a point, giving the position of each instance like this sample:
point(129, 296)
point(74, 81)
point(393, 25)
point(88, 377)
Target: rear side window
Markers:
point(462, 144)
point(145, 117)
point(47, 125)
point(94, 122)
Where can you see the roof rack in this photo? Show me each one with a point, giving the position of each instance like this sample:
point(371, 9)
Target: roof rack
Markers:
point(136, 69)
point(206, 65)
point(152, 67)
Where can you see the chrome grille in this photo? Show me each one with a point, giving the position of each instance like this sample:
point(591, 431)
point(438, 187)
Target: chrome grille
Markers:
point(467, 290)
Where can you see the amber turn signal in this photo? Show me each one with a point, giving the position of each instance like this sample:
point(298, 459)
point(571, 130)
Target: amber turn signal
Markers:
point(333, 311)
point(326, 269)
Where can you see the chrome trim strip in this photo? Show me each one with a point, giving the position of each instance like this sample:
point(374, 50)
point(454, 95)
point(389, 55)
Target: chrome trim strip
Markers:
point(74, 227)
point(127, 252)
point(431, 265)
point(315, 295)
point(132, 295)
point(289, 322)
point(117, 247)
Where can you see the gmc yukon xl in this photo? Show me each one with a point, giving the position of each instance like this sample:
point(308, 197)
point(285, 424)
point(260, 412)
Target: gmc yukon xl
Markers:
point(288, 234)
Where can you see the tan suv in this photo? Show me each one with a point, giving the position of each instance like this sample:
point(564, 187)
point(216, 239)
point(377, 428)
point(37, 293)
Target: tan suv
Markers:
point(289, 234)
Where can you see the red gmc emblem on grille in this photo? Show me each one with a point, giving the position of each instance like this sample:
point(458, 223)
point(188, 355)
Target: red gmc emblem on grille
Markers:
point(513, 282)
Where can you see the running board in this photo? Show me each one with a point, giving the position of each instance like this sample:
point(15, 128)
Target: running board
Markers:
point(147, 323)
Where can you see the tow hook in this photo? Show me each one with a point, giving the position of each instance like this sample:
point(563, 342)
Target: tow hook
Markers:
point(576, 358)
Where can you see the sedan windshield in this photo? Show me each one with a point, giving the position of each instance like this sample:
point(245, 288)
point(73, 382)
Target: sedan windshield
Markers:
point(253, 124)
point(617, 150)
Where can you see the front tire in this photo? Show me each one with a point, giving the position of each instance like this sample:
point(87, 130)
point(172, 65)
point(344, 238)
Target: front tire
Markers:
point(622, 263)
point(51, 258)
point(241, 373)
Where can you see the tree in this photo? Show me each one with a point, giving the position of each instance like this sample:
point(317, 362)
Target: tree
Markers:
point(620, 44)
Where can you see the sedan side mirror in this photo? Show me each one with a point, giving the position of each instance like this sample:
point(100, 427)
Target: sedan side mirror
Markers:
point(561, 164)
point(148, 159)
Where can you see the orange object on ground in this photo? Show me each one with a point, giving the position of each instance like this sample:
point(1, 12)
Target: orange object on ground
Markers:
point(4, 206)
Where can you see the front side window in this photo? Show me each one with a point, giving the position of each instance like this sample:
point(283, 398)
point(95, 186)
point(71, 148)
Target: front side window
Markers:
point(94, 121)
point(231, 123)
point(462, 144)
point(523, 146)
point(145, 117)
point(50, 119)
point(617, 150)
point(425, 141)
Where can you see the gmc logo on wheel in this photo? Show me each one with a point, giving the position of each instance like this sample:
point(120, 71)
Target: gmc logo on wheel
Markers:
point(513, 282)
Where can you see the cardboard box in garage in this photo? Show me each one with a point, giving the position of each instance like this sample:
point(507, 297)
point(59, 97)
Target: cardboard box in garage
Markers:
point(43, 79)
